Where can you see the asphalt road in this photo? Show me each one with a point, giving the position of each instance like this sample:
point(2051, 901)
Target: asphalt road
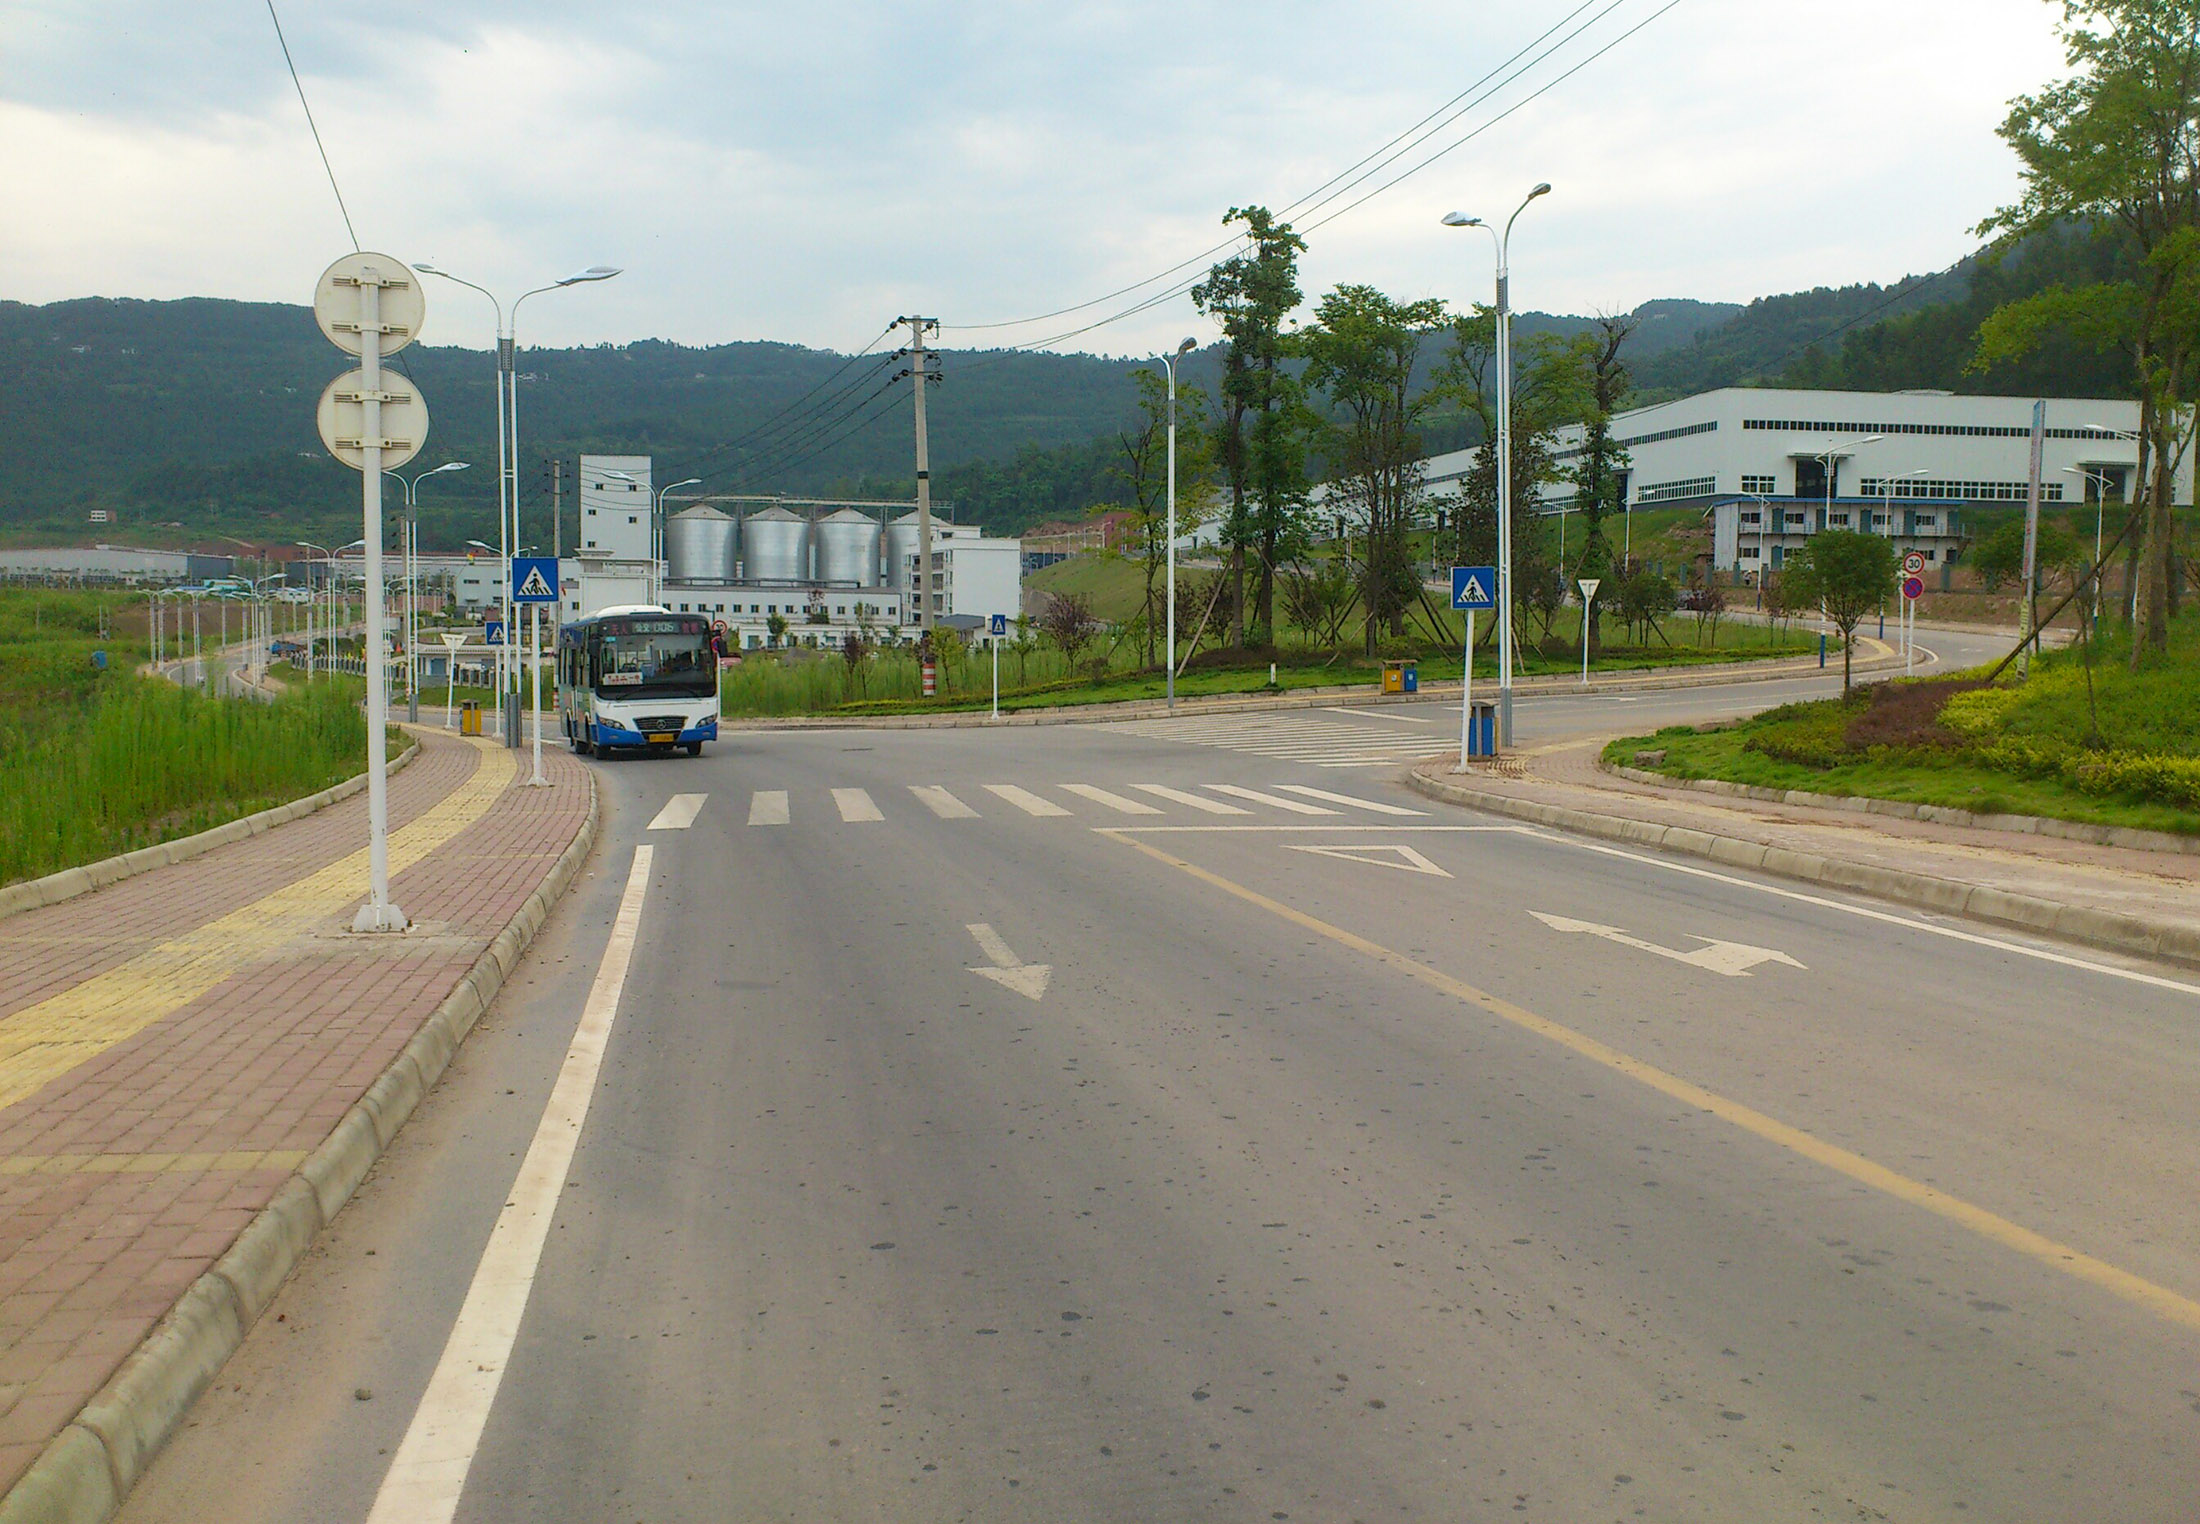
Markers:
point(1361, 1165)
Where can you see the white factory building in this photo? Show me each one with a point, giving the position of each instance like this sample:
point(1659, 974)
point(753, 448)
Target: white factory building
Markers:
point(1771, 467)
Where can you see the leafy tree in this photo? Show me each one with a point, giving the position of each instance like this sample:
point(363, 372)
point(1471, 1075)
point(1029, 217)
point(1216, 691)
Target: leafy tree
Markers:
point(1069, 622)
point(1845, 573)
point(777, 625)
point(1600, 384)
point(2117, 145)
point(1143, 472)
point(1320, 598)
point(1360, 355)
point(1545, 394)
point(1998, 557)
point(1259, 438)
point(1645, 598)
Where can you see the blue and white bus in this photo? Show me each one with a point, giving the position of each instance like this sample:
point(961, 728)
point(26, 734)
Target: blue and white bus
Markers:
point(638, 678)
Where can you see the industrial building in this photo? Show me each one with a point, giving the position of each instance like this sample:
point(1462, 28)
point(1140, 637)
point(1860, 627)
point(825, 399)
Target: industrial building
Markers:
point(112, 564)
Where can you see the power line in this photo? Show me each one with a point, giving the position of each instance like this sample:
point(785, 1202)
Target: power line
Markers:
point(311, 126)
point(787, 422)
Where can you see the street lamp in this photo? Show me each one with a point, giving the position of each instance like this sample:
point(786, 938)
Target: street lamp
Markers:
point(508, 441)
point(411, 557)
point(2099, 481)
point(1169, 363)
point(1830, 459)
point(657, 527)
point(1504, 453)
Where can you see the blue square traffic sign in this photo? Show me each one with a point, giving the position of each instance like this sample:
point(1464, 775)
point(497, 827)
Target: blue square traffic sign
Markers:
point(1474, 587)
point(999, 625)
point(534, 579)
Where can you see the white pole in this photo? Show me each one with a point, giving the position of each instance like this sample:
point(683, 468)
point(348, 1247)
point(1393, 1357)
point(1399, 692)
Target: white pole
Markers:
point(996, 644)
point(534, 660)
point(1504, 495)
point(1466, 695)
point(378, 914)
point(1585, 638)
point(1171, 591)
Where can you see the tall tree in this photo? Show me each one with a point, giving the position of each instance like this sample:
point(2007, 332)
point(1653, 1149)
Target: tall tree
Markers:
point(1143, 469)
point(1259, 440)
point(1601, 382)
point(2117, 145)
point(1360, 355)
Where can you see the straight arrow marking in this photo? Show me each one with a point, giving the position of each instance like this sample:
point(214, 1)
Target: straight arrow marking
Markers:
point(1732, 959)
point(1008, 971)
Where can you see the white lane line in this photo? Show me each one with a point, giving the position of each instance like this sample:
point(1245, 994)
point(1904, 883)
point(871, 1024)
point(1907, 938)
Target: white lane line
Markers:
point(941, 803)
point(1274, 801)
point(1178, 796)
point(1351, 799)
point(1374, 714)
point(1113, 801)
point(678, 814)
point(428, 1473)
point(768, 807)
point(1025, 800)
point(856, 804)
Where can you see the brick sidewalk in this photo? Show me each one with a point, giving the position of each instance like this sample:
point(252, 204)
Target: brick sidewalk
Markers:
point(173, 1046)
point(2155, 886)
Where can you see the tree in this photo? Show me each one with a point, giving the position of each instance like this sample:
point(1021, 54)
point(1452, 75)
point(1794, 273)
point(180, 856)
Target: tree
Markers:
point(777, 624)
point(1260, 440)
point(1545, 394)
point(2117, 146)
point(1999, 557)
point(1599, 482)
point(1845, 573)
point(1360, 355)
point(1068, 621)
point(1320, 599)
point(1144, 472)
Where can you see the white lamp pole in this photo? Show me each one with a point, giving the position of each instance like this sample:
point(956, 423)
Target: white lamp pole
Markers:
point(1504, 455)
point(1169, 362)
point(412, 580)
point(657, 569)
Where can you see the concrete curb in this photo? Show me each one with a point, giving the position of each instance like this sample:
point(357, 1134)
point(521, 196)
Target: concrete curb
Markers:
point(1859, 804)
point(2110, 930)
point(32, 894)
point(86, 1470)
point(1355, 696)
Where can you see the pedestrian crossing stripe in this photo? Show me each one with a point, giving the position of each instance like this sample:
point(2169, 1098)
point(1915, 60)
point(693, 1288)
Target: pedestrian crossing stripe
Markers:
point(775, 807)
point(1295, 737)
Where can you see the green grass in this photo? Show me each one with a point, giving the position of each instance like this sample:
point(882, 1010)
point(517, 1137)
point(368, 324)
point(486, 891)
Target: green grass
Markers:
point(1115, 584)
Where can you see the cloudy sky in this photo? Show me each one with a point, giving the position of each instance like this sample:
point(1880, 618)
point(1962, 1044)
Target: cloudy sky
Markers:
point(807, 171)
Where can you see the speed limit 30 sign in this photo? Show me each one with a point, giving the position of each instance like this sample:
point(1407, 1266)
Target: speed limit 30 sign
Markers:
point(1913, 563)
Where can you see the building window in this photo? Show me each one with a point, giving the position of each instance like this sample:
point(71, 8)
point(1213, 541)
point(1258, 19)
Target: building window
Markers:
point(1957, 491)
point(1837, 520)
point(1927, 520)
point(1764, 484)
point(1665, 492)
point(633, 518)
point(1749, 552)
point(1752, 518)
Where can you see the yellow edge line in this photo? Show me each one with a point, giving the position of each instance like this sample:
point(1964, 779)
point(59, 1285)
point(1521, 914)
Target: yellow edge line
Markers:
point(2139, 1291)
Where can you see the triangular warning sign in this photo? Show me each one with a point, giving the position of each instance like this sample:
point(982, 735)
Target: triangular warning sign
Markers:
point(533, 585)
point(1379, 855)
point(1474, 591)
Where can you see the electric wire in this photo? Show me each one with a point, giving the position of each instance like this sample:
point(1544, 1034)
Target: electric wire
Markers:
point(787, 421)
point(802, 446)
point(312, 126)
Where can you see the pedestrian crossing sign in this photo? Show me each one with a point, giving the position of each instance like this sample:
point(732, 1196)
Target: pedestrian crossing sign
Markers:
point(1474, 587)
point(534, 579)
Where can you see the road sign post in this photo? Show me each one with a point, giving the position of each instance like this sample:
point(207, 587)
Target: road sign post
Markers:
point(1472, 588)
point(996, 628)
point(1588, 586)
point(535, 583)
point(451, 643)
point(371, 305)
point(1913, 588)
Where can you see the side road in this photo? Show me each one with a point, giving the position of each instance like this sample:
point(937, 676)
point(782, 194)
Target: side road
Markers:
point(2121, 898)
point(197, 1067)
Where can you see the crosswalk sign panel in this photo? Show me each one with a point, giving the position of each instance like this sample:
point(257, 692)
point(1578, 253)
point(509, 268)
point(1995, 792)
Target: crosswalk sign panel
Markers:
point(1474, 587)
point(534, 579)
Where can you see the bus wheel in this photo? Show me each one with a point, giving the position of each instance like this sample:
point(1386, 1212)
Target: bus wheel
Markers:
point(695, 748)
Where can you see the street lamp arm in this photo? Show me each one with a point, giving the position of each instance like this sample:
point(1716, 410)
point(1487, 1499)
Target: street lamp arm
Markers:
point(428, 269)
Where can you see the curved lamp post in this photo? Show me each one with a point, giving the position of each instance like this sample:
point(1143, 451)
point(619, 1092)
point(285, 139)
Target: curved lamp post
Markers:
point(1170, 363)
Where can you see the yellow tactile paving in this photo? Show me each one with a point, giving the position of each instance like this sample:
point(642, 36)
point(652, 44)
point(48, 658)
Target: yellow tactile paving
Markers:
point(154, 1164)
point(44, 1041)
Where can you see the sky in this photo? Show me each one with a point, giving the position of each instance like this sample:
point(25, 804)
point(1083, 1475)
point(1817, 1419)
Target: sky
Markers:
point(807, 172)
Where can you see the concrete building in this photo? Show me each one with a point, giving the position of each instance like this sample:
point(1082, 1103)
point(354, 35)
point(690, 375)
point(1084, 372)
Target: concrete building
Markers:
point(973, 576)
point(112, 564)
point(616, 504)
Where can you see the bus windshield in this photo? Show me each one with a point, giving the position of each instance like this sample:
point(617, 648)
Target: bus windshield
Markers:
point(655, 655)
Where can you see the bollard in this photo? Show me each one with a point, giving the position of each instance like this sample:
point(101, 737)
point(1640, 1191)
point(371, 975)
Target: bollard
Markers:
point(931, 678)
point(1821, 650)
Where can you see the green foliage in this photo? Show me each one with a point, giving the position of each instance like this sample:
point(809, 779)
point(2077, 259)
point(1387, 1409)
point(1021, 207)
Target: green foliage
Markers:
point(1845, 573)
point(1998, 556)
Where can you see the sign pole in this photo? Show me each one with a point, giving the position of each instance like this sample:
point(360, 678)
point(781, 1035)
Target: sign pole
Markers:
point(995, 643)
point(1588, 586)
point(534, 660)
point(378, 914)
point(1466, 695)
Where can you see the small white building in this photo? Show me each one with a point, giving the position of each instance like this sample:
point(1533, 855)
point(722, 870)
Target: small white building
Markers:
point(616, 505)
point(976, 576)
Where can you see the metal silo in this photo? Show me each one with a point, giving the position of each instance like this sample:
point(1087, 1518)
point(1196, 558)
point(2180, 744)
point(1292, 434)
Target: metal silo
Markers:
point(700, 545)
point(847, 548)
point(775, 546)
point(901, 549)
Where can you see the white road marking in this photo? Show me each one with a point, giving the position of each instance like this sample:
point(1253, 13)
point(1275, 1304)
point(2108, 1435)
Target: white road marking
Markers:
point(1733, 959)
point(1025, 800)
point(856, 804)
point(1009, 971)
point(768, 807)
point(428, 1473)
point(1351, 799)
point(1178, 796)
point(1113, 801)
point(1401, 856)
point(1377, 714)
point(1275, 801)
point(679, 812)
point(941, 803)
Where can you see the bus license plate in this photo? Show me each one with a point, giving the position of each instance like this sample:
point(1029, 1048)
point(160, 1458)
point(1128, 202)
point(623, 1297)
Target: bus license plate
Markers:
point(663, 737)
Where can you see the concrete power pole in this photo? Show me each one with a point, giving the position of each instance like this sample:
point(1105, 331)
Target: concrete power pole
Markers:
point(921, 584)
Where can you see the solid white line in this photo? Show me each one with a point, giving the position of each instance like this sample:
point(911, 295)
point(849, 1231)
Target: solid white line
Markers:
point(425, 1478)
point(941, 803)
point(1273, 801)
point(1351, 799)
point(768, 807)
point(1376, 714)
point(679, 813)
point(1178, 796)
point(1025, 800)
point(856, 804)
point(1113, 801)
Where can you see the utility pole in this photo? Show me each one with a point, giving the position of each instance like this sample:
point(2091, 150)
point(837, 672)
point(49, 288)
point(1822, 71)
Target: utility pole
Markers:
point(557, 542)
point(921, 584)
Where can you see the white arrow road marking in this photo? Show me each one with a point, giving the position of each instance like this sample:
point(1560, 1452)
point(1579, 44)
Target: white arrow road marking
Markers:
point(1008, 971)
point(679, 812)
point(1733, 959)
point(1404, 857)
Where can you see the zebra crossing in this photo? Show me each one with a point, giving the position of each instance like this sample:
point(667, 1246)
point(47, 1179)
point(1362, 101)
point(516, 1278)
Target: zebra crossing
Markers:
point(1062, 801)
point(1353, 738)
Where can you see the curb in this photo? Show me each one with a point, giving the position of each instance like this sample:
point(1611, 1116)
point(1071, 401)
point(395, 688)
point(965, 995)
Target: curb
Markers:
point(86, 1470)
point(2105, 929)
point(68, 883)
point(1936, 814)
point(1353, 696)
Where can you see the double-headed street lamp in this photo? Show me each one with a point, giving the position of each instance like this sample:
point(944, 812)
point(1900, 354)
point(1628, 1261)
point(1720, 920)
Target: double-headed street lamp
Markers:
point(1169, 362)
point(1504, 454)
point(411, 558)
point(508, 441)
point(656, 527)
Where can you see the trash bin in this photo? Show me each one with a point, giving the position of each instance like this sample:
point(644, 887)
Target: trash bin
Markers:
point(1401, 677)
point(1411, 677)
point(1482, 729)
point(469, 717)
